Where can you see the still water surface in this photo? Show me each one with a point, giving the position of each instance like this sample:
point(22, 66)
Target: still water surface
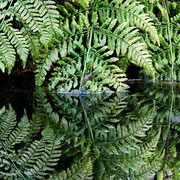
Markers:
point(132, 135)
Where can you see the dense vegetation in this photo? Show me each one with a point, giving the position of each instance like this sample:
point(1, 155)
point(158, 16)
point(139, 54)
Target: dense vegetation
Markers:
point(63, 41)
point(97, 137)
point(73, 45)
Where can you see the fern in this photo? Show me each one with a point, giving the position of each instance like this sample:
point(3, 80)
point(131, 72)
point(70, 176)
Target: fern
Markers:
point(125, 28)
point(8, 122)
point(128, 154)
point(15, 37)
point(7, 53)
point(166, 58)
point(28, 163)
point(100, 136)
point(40, 77)
point(36, 17)
point(108, 35)
point(130, 12)
point(18, 134)
point(35, 163)
point(82, 170)
point(105, 34)
point(4, 3)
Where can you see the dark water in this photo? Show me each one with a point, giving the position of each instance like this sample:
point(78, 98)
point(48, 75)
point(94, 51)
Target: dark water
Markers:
point(132, 135)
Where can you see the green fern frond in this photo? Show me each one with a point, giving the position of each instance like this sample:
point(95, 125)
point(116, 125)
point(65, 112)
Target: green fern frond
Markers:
point(43, 103)
point(16, 39)
point(130, 12)
point(33, 43)
point(7, 53)
point(3, 4)
point(79, 171)
point(82, 3)
point(48, 12)
point(29, 14)
point(41, 155)
point(40, 16)
point(18, 134)
point(42, 70)
point(128, 133)
point(7, 124)
point(104, 28)
point(35, 16)
point(70, 75)
point(148, 149)
point(162, 56)
point(127, 44)
point(176, 18)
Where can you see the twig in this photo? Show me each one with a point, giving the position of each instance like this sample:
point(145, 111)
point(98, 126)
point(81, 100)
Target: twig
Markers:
point(166, 153)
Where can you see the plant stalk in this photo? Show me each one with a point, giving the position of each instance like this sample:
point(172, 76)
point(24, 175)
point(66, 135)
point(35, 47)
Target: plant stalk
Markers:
point(89, 48)
point(170, 42)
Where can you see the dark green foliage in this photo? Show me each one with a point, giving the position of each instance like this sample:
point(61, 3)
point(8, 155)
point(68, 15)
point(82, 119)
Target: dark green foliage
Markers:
point(79, 171)
point(28, 163)
point(102, 34)
point(39, 23)
point(166, 58)
point(108, 35)
point(136, 140)
point(100, 136)
point(101, 37)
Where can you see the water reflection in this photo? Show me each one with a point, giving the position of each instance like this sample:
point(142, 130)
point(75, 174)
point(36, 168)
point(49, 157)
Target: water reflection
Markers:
point(114, 136)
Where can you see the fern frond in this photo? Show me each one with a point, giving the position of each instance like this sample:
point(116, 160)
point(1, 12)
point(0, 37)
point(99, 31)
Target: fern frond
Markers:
point(18, 134)
point(162, 56)
point(103, 29)
point(43, 103)
point(3, 4)
point(43, 68)
point(128, 133)
point(48, 12)
point(41, 155)
point(8, 122)
point(148, 149)
point(176, 18)
point(30, 15)
point(82, 3)
point(35, 126)
point(16, 38)
point(130, 12)
point(7, 53)
point(79, 171)
point(33, 43)
point(128, 44)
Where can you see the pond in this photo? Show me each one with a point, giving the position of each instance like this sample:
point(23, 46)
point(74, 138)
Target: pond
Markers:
point(129, 135)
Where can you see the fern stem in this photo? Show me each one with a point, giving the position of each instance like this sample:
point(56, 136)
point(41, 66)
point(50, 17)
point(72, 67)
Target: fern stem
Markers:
point(169, 132)
point(89, 48)
point(87, 120)
point(170, 43)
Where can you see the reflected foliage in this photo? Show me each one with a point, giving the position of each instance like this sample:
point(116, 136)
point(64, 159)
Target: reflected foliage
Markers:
point(109, 136)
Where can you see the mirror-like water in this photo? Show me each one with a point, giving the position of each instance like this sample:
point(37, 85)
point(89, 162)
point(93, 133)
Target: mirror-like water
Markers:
point(133, 135)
